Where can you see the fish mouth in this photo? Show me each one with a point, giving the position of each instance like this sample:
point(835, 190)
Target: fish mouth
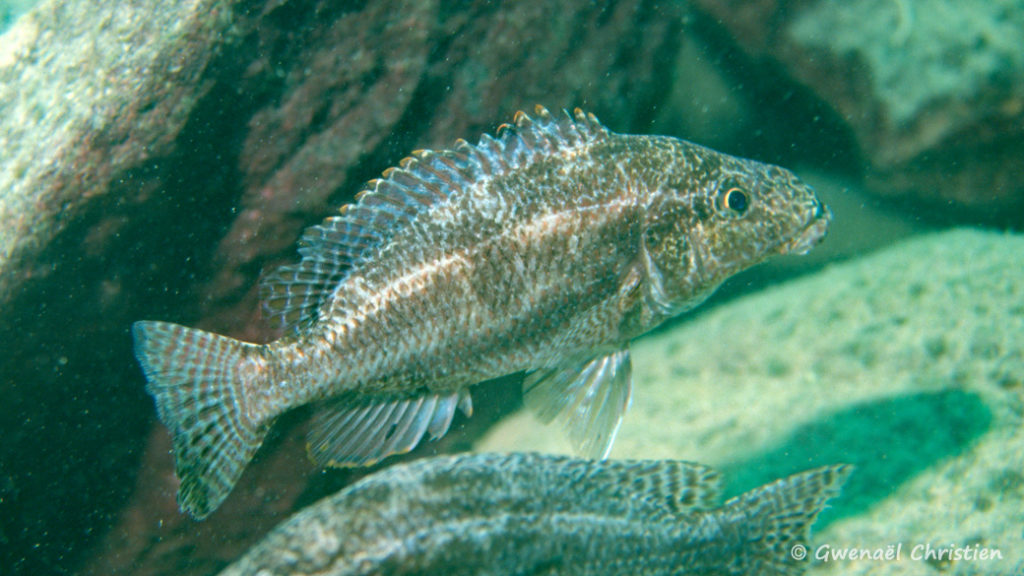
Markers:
point(812, 233)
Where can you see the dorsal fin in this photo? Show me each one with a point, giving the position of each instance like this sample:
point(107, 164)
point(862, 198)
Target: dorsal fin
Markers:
point(647, 490)
point(650, 489)
point(294, 294)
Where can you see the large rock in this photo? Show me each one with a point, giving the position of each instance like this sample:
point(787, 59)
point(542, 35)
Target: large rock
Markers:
point(95, 103)
point(157, 155)
point(933, 89)
point(908, 363)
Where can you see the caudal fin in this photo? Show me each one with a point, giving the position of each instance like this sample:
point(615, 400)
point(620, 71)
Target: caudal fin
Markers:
point(197, 380)
point(781, 514)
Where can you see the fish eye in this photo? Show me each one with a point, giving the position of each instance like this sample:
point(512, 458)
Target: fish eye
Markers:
point(737, 201)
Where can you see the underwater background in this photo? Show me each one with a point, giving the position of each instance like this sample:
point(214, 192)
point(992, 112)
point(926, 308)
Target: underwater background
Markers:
point(155, 157)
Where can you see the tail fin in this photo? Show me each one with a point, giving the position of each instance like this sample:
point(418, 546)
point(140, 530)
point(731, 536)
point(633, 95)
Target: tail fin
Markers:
point(197, 380)
point(781, 514)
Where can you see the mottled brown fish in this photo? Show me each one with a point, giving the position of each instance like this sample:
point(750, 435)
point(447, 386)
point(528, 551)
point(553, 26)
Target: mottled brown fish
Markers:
point(544, 250)
point(484, 514)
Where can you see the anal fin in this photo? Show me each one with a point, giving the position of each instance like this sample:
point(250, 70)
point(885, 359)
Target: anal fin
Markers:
point(588, 397)
point(360, 432)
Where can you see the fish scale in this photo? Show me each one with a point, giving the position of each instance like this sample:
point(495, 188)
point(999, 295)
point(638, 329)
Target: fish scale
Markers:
point(481, 514)
point(544, 250)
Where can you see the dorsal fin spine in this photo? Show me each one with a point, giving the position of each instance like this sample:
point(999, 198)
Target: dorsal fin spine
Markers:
point(450, 163)
point(480, 153)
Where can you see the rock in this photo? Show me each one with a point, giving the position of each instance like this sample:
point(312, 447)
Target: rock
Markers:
point(93, 100)
point(933, 90)
point(158, 155)
point(907, 363)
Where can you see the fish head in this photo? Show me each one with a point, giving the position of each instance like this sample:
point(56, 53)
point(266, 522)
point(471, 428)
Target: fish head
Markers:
point(753, 210)
point(716, 215)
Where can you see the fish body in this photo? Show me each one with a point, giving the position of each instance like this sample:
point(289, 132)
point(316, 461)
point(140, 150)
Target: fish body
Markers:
point(482, 514)
point(545, 250)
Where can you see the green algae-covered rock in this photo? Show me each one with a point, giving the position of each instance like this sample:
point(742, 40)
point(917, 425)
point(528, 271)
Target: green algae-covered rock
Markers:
point(908, 363)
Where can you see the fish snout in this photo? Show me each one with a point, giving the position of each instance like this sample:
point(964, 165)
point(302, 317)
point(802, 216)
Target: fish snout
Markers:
point(816, 225)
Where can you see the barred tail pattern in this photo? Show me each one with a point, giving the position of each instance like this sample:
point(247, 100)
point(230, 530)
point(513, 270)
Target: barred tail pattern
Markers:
point(196, 379)
point(782, 513)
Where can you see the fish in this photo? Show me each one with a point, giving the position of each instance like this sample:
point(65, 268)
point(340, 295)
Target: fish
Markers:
point(544, 250)
point(525, 513)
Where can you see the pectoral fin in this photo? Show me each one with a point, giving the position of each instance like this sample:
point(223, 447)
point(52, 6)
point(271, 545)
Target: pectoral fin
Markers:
point(587, 397)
